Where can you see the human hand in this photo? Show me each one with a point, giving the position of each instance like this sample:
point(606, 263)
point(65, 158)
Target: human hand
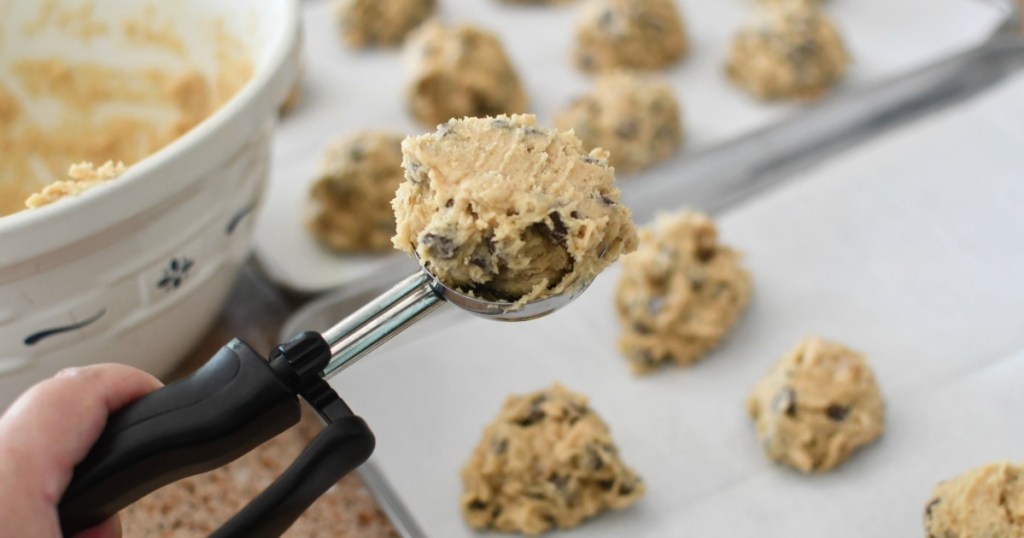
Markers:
point(46, 432)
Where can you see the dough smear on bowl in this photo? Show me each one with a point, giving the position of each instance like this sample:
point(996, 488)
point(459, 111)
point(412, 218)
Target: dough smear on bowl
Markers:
point(81, 177)
point(508, 211)
point(55, 111)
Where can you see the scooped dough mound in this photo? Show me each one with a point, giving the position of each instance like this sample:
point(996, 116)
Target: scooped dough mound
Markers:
point(987, 502)
point(817, 406)
point(637, 34)
point(351, 198)
point(547, 461)
point(365, 23)
point(509, 211)
point(636, 119)
point(82, 177)
point(790, 50)
point(680, 293)
point(460, 71)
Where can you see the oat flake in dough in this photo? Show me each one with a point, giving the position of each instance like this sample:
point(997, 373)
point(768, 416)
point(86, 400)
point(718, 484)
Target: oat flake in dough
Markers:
point(509, 211)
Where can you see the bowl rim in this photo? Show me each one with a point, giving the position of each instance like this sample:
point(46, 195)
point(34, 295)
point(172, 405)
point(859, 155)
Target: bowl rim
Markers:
point(30, 233)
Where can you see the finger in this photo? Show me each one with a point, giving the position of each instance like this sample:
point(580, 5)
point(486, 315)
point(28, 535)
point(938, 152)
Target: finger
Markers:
point(53, 425)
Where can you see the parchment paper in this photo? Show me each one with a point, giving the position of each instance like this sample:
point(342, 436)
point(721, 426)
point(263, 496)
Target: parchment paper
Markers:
point(909, 248)
point(346, 90)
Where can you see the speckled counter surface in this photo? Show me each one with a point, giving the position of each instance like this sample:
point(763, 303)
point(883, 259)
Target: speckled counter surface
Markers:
point(198, 505)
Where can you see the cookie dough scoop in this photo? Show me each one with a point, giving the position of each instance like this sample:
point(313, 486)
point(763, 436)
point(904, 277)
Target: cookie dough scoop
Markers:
point(543, 247)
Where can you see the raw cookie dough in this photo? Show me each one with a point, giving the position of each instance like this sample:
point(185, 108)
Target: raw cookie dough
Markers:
point(817, 406)
point(83, 176)
point(351, 198)
point(635, 118)
point(680, 293)
point(509, 211)
point(987, 502)
point(790, 50)
point(365, 23)
point(638, 34)
point(546, 462)
point(460, 71)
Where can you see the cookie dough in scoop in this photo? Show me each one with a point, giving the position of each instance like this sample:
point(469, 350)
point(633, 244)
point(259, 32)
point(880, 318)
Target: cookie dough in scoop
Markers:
point(508, 211)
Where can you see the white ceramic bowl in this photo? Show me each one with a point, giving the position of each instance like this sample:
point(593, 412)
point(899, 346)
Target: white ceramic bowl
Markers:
point(136, 271)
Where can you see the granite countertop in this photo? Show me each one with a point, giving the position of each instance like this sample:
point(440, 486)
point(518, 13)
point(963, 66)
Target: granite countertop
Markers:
point(198, 505)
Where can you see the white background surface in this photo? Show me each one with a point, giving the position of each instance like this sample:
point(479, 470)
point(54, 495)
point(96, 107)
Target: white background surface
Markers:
point(908, 248)
point(346, 90)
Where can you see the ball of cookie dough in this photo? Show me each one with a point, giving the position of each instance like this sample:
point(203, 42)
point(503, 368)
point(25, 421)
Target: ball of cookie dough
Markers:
point(638, 34)
point(817, 406)
point(365, 23)
point(987, 502)
point(790, 50)
point(679, 293)
point(547, 461)
point(351, 198)
point(636, 119)
point(509, 211)
point(460, 71)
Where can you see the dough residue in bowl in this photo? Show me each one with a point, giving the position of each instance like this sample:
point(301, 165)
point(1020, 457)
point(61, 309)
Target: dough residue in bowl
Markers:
point(55, 111)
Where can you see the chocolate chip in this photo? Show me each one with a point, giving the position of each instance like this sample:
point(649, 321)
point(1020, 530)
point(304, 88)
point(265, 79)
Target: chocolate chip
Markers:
point(606, 485)
point(575, 214)
point(586, 61)
point(415, 171)
point(558, 228)
point(446, 129)
point(594, 160)
point(536, 415)
point(501, 123)
point(549, 519)
point(655, 304)
point(531, 131)
point(479, 262)
point(627, 129)
point(836, 412)
point(626, 489)
point(476, 504)
point(785, 402)
point(440, 247)
point(559, 481)
point(449, 203)
point(931, 505)
point(705, 254)
point(356, 152)
point(594, 460)
point(607, 200)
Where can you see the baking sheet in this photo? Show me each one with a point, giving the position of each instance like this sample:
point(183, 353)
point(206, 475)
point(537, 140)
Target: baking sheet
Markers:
point(907, 248)
point(346, 90)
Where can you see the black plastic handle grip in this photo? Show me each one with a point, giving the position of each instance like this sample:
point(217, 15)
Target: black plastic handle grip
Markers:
point(338, 449)
point(232, 404)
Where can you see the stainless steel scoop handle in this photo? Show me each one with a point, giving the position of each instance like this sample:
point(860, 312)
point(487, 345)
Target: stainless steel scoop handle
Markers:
point(407, 302)
point(380, 320)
